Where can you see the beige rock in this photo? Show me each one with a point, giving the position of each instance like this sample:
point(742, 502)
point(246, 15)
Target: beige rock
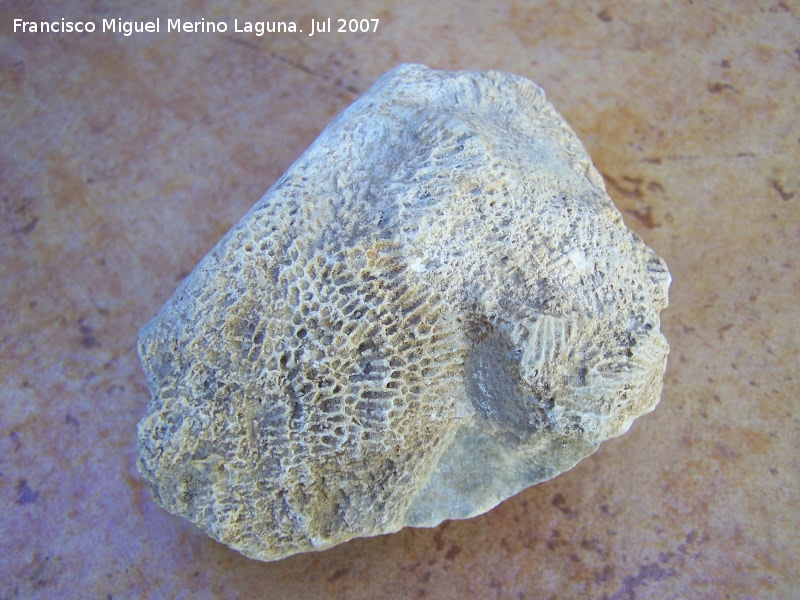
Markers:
point(437, 306)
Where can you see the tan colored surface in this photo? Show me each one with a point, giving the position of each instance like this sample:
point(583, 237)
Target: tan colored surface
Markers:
point(124, 159)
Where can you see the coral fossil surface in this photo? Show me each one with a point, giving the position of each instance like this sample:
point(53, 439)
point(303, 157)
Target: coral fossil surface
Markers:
point(437, 306)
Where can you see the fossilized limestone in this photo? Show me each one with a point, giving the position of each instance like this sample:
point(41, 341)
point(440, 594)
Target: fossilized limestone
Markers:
point(435, 307)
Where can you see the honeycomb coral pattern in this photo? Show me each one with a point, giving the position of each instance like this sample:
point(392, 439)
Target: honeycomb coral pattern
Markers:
point(363, 371)
point(435, 307)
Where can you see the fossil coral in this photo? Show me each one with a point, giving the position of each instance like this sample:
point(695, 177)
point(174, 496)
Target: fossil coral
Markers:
point(437, 306)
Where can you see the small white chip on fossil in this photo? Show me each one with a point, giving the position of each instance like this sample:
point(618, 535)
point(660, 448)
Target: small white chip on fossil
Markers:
point(437, 306)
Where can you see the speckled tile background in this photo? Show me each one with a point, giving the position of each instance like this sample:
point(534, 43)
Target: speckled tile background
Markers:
point(124, 159)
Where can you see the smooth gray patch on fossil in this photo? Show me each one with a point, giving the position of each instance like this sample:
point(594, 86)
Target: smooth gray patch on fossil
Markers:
point(437, 306)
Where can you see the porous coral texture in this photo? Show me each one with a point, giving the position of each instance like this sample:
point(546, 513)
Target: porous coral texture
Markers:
point(437, 306)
